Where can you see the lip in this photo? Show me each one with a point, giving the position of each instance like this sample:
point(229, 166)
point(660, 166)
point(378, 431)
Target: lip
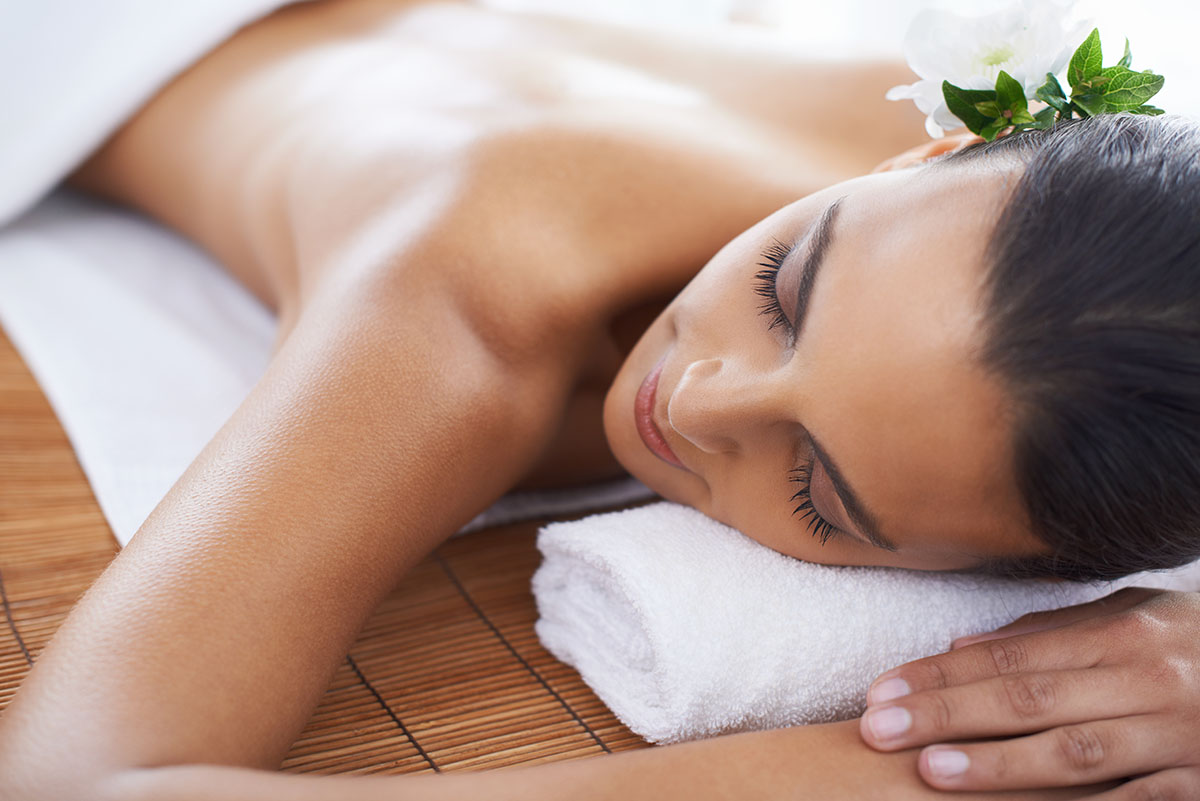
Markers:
point(643, 416)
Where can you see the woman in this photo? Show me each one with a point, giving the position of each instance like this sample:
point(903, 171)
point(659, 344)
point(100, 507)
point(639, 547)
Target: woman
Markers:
point(464, 237)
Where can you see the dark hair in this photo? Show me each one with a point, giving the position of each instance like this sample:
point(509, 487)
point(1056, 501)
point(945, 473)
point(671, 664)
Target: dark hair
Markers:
point(1092, 321)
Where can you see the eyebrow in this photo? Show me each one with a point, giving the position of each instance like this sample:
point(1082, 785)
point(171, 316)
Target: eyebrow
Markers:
point(820, 238)
point(859, 514)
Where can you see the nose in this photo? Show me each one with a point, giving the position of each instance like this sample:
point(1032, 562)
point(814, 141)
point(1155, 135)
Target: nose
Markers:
point(719, 406)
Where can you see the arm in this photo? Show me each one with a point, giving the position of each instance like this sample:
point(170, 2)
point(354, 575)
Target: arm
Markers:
point(819, 763)
point(212, 636)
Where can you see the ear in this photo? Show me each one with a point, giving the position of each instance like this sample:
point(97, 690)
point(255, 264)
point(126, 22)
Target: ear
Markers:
point(929, 150)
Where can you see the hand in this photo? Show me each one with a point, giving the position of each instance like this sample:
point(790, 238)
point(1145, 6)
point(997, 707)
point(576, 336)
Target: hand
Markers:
point(1104, 690)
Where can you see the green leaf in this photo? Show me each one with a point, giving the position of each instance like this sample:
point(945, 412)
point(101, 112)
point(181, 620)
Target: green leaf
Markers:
point(1088, 105)
point(1021, 117)
point(1051, 93)
point(1010, 94)
point(961, 103)
point(989, 108)
point(1148, 110)
point(1043, 119)
point(993, 129)
point(1010, 99)
point(1086, 61)
point(1127, 89)
point(1126, 59)
point(1108, 73)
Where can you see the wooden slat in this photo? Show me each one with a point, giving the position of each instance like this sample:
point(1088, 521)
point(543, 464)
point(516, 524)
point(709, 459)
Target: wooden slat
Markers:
point(447, 672)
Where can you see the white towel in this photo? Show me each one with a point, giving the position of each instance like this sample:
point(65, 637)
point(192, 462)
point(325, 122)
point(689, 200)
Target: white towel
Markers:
point(686, 628)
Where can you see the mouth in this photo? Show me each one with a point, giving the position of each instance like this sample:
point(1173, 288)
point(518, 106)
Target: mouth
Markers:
point(643, 415)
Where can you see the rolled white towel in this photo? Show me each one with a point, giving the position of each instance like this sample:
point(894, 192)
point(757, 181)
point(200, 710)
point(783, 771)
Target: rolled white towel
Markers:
point(686, 628)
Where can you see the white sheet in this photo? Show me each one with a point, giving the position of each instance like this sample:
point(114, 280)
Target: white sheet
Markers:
point(72, 70)
point(143, 345)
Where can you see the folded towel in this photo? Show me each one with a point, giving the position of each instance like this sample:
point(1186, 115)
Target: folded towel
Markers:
point(686, 628)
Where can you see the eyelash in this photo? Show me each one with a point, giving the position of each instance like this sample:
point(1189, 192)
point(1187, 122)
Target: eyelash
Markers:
point(765, 288)
point(764, 284)
point(822, 529)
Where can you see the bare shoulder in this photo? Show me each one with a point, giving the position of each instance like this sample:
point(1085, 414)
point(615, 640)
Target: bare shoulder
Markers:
point(600, 161)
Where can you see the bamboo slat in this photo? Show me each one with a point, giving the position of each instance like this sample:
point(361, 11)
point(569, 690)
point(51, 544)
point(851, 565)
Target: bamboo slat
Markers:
point(447, 672)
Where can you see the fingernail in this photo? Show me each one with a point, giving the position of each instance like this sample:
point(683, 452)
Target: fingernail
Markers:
point(888, 723)
point(946, 763)
point(888, 690)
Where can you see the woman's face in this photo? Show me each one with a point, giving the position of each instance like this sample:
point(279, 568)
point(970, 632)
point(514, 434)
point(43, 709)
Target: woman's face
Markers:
point(864, 405)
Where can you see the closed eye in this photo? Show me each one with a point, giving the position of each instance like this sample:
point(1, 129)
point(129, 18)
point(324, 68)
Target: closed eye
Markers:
point(817, 241)
point(766, 285)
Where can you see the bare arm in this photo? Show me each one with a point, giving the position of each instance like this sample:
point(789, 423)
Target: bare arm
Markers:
point(213, 634)
point(819, 763)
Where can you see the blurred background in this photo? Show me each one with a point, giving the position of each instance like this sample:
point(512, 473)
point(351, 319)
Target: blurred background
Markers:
point(1162, 32)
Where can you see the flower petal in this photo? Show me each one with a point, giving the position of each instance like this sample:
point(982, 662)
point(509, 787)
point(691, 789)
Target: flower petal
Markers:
point(945, 118)
point(905, 91)
point(1026, 38)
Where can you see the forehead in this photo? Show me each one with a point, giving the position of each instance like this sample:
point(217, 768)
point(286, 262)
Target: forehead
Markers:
point(917, 426)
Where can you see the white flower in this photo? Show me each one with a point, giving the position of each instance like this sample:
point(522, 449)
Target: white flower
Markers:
point(1026, 39)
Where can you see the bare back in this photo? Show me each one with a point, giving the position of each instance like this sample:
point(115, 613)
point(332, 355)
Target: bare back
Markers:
point(638, 154)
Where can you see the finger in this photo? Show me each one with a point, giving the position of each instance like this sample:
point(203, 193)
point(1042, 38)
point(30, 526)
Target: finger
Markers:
point(1179, 784)
point(1016, 704)
point(1055, 618)
point(1063, 757)
point(1037, 652)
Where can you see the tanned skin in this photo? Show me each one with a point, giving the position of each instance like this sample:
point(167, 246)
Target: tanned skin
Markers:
point(456, 283)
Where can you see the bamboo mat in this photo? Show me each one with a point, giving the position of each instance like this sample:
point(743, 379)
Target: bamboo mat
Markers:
point(446, 675)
